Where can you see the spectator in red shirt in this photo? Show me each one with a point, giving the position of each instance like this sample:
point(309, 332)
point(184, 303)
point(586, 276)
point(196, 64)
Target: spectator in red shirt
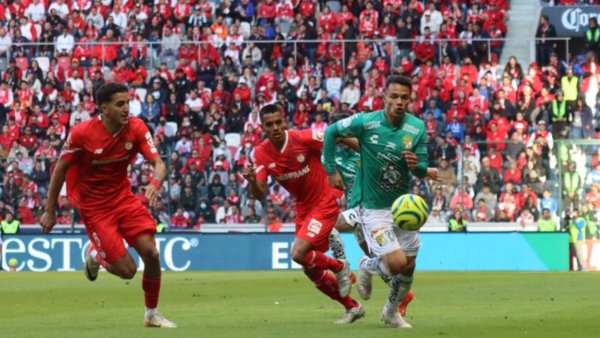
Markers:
point(180, 219)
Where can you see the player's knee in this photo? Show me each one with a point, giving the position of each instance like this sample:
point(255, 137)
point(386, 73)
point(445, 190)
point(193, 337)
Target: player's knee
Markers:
point(409, 269)
point(298, 256)
point(150, 255)
point(396, 265)
point(128, 271)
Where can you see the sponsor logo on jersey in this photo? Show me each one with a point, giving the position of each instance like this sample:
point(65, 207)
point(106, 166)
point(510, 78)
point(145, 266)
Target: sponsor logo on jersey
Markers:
point(314, 227)
point(345, 123)
point(407, 142)
point(151, 143)
point(110, 160)
point(372, 125)
point(381, 235)
point(390, 146)
point(301, 158)
point(128, 145)
point(272, 165)
point(410, 129)
point(388, 157)
point(390, 177)
point(98, 151)
point(294, 174)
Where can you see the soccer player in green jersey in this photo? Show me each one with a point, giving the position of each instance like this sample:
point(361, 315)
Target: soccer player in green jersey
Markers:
point(392, 144)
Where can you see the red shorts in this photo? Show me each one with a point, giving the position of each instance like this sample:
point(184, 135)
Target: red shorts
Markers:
point(315, 225)
point(107, 228)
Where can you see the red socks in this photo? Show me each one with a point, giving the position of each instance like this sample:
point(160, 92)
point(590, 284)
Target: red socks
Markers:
point(318, 260)
point(326, 283)
point(151, 286)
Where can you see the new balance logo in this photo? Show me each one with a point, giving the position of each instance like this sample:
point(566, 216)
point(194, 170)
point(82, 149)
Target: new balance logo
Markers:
point(98, 151)
point(272, 165)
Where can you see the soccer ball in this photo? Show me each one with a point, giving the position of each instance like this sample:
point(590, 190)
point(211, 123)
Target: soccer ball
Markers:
point(410, 212)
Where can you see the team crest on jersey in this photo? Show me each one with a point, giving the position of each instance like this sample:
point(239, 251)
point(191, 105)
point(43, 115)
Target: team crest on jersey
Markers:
point(407, 142)
point(128, 145)
point(301, 158)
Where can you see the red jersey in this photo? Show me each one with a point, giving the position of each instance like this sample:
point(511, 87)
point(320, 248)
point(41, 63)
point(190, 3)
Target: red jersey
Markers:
point(297, 167)
point(98, 177)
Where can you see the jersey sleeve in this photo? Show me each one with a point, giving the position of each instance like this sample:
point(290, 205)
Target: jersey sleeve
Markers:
point(73, 146)
point(145, 142)
point(350, 126)
point(421, 152)
point(312, 138)
point(260, 165)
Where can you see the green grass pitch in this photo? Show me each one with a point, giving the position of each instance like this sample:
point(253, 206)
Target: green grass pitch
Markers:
point(285, 304)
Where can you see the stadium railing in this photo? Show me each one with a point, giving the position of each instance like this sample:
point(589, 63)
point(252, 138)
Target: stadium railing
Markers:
point(388, 47)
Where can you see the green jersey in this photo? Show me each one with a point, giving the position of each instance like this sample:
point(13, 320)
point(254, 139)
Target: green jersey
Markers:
point(384, 173)
point(347, 162)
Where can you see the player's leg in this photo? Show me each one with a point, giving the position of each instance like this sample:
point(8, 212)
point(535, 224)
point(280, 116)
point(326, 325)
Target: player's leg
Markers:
point(106, 247)
point(325, 282)
point(138, 228)
point(389, 259)
point(305, 254)
point(400, 284)
point(312, 241)
point(337, 245)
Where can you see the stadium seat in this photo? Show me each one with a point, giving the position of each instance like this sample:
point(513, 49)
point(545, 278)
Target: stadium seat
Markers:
point(141, 93)
point(285, 27)
point(245, 29)
point(43, 62)
point(233, 139)
point(334, 5)
point(171, 129)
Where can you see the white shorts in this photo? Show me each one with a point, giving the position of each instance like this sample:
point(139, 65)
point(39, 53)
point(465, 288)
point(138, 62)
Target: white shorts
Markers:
point(383, 236)
point(352, 218)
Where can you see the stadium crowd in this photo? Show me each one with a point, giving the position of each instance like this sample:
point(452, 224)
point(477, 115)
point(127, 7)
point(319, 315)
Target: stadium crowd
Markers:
point(200, 71)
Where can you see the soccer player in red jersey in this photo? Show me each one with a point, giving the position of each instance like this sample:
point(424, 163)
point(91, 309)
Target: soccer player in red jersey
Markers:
point(94, 162)
point(293, 158)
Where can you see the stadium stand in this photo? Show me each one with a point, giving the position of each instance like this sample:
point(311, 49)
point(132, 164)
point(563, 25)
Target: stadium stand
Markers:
point(201, 70)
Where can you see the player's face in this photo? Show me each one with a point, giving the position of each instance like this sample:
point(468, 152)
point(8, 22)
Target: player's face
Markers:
point(396, 98)
point(117, 110)
point(274, 127)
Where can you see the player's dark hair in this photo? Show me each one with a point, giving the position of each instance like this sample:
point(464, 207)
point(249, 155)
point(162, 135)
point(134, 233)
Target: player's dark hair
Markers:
point(270, 109)
point(398, 79)
point(106, 91)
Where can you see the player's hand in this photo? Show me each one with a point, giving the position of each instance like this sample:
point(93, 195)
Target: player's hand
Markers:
point(48, 221)
point(411, 159)
point(249, 174)
point(335, 180)
point(151, 194)
point(433, 174)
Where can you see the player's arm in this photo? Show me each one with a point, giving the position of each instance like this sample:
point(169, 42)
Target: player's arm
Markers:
point(417, 160)
point(48, 219)
point(150, 153)
point(258, 187)
point(348, 127)
point(160, 172)
point(256, 175)
point(350, 142)
point(71, 150)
